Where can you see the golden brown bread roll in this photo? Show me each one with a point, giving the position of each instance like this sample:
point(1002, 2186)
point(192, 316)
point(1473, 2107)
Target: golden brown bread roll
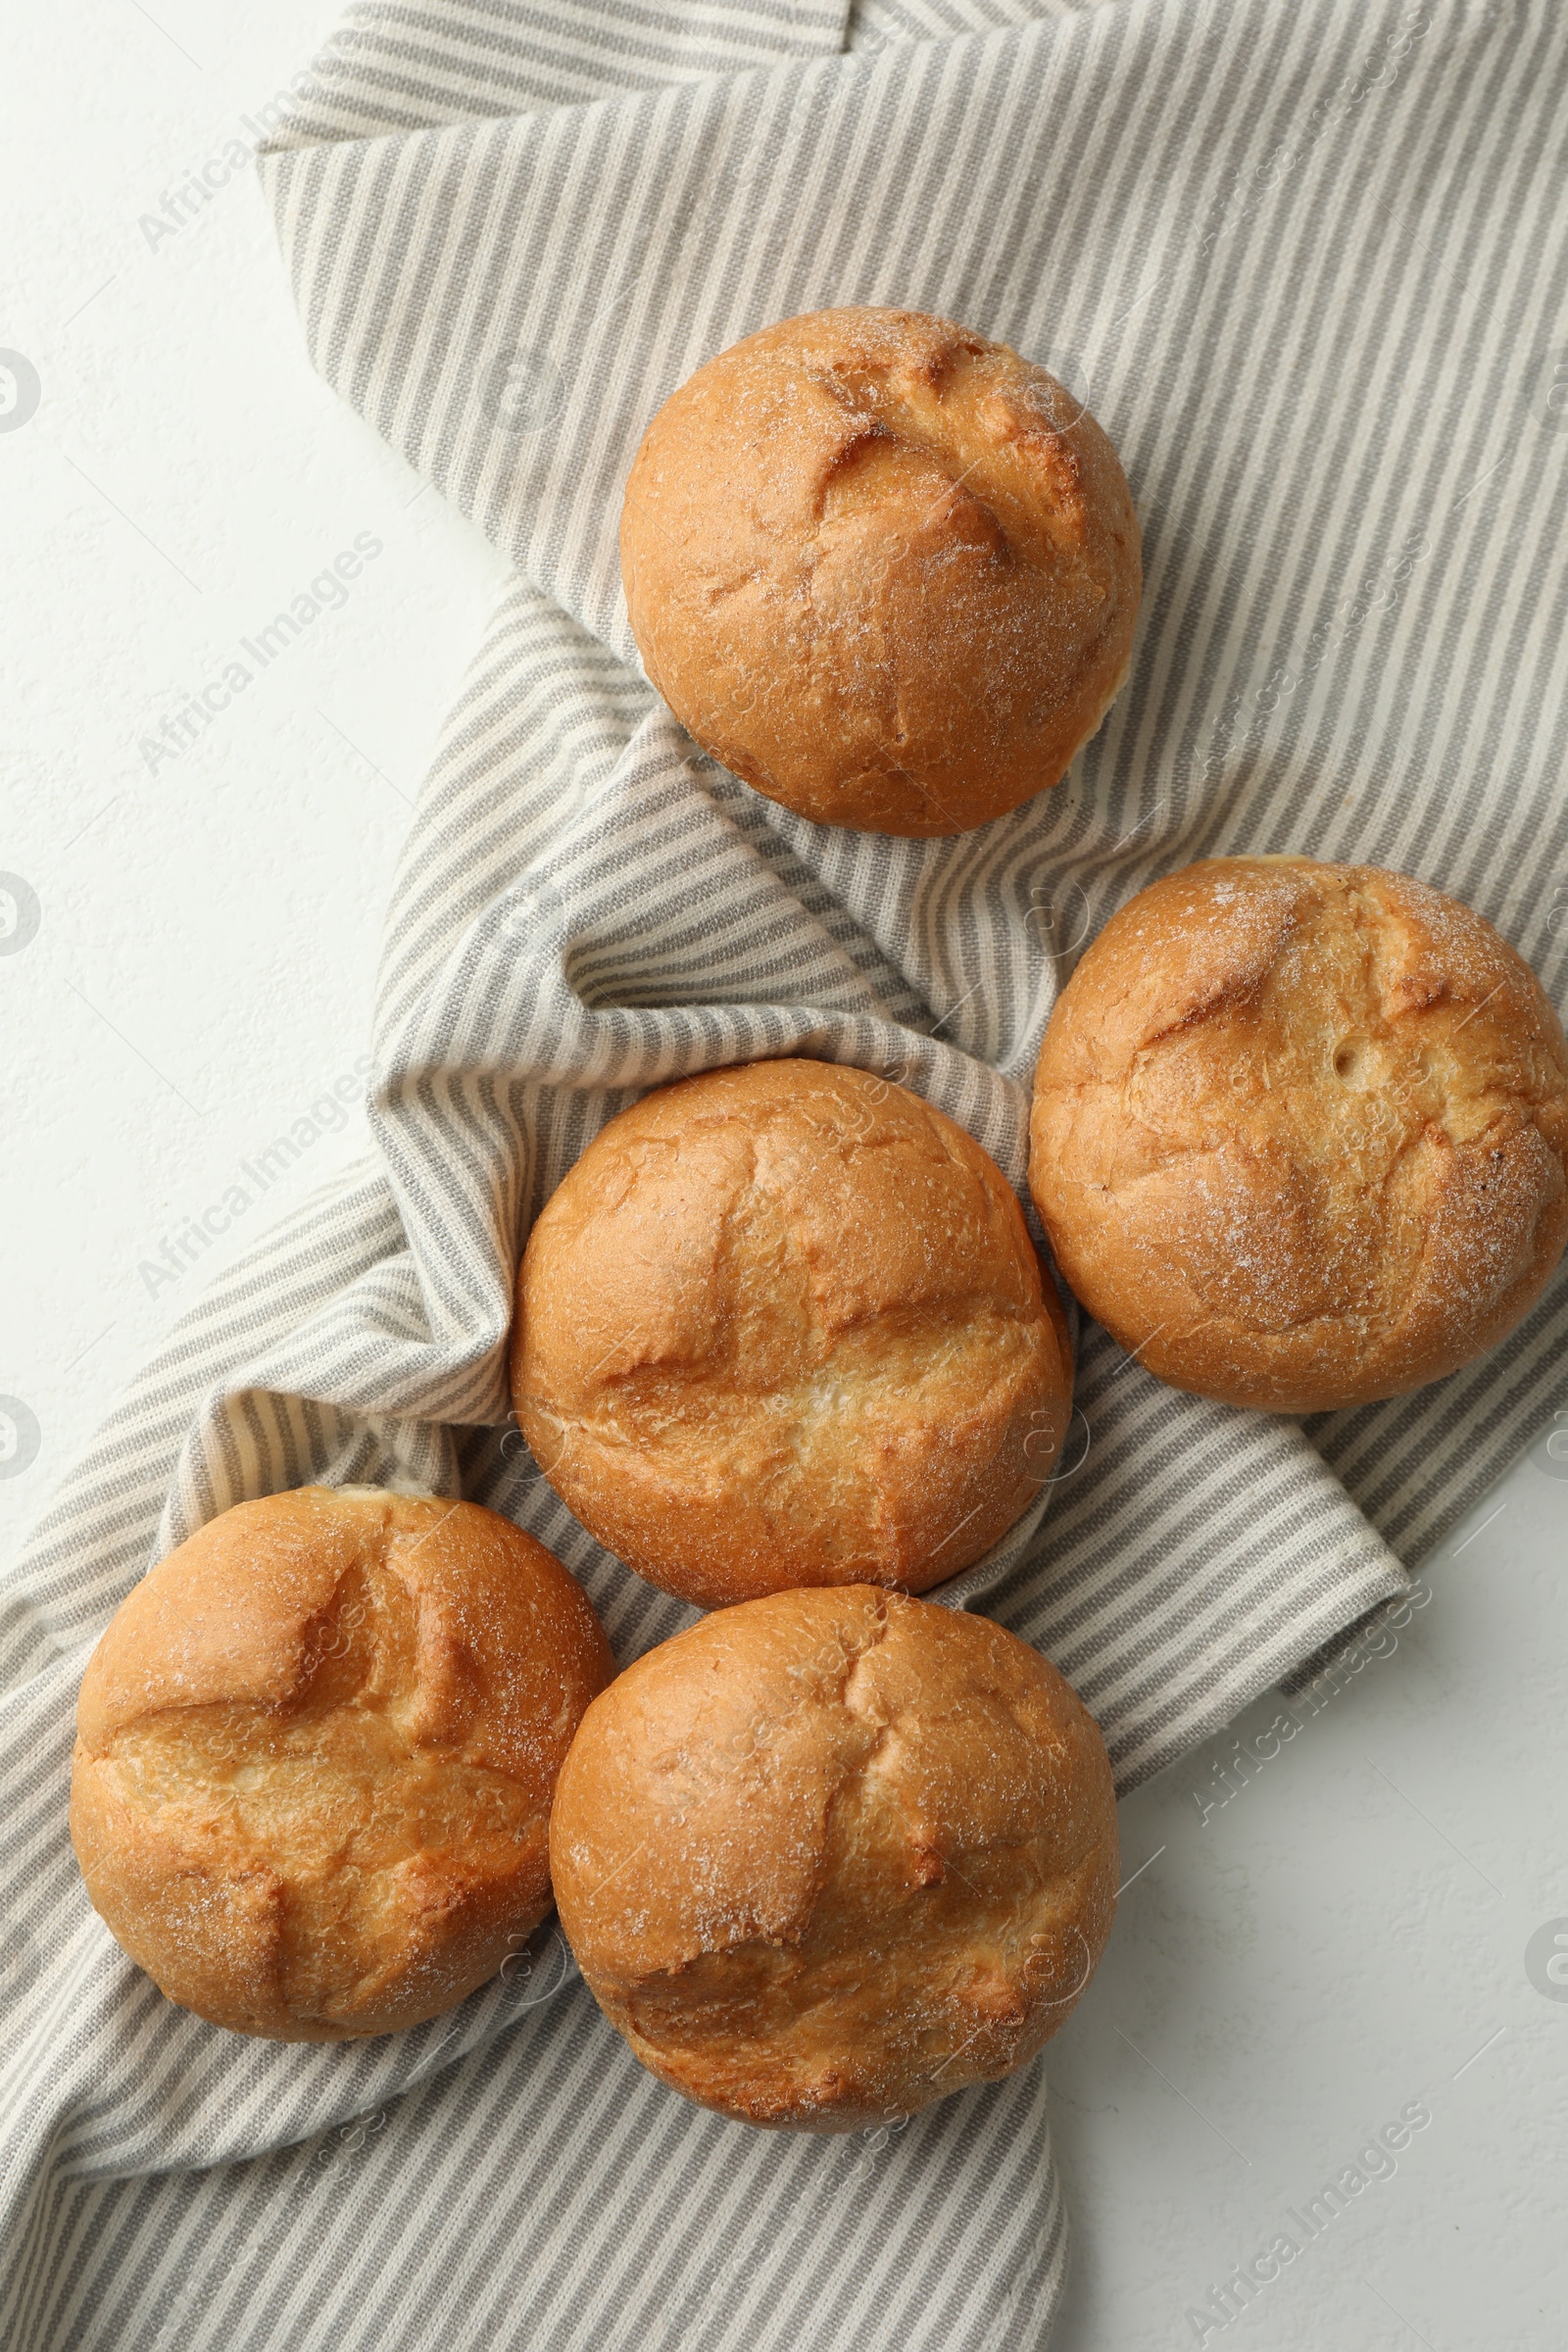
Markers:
point(827, 1856)
point(314, 1757)
point(883, 570)
point(1300, 1133)
point(783, 1325)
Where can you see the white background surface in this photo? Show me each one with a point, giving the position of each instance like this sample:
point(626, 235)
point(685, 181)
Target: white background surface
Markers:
point(1341, 1940)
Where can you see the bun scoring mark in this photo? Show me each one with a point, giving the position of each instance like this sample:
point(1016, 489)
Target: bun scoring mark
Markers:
point(1343, 1128)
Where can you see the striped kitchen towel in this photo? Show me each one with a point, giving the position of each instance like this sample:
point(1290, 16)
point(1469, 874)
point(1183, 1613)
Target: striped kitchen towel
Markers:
point(1308, 264)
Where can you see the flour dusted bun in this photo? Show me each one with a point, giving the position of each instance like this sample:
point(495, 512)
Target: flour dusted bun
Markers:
point(883, 570)
point(828, 1856)
point(314, 1757)
point(784, 1325)
point(1300, 1133)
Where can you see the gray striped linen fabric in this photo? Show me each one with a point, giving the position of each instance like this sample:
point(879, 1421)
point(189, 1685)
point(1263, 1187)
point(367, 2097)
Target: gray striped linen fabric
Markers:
point(1308, 264)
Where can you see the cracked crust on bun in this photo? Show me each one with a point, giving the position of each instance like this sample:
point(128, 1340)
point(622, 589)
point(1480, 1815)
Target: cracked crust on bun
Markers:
point(1300, 1133)
point(783, 1324)
point(883, 570)
point(831, 1855)
point(316, 1752)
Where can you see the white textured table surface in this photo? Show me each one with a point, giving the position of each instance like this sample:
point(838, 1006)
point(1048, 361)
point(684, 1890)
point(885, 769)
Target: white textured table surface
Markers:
point(1341, 1929)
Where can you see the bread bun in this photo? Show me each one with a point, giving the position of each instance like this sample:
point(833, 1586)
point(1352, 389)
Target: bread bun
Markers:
point(828, 1856)
point(1300, 1133)
point(784, 1325)
point(883, 570)
point(314, 1756)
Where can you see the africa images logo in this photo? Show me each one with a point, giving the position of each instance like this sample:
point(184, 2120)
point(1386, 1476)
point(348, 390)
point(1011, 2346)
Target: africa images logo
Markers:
point(1548, 393)
point(1548, 1453)
point(1546, 1960)
point(183, 1247)
point(20, 1437)
point(523, 390)
point(19, 914)
point(328, 592)
point(20, 391)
